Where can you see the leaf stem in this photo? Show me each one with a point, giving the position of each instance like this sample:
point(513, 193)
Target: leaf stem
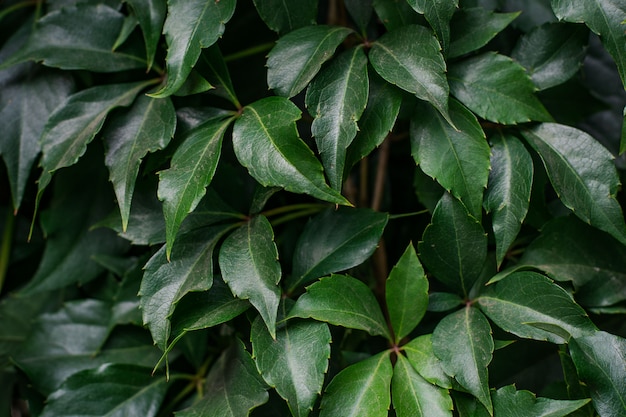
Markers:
point(249, 52)
point(402, 215)
point(17, 6)
point(294, 215)
point(5, 249)
point(293, 207)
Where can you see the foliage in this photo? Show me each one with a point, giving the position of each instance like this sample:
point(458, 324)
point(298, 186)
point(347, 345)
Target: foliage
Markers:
point(342, 208)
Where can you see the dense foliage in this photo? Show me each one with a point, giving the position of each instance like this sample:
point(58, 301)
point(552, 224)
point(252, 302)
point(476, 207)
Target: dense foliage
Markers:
point(335, 208)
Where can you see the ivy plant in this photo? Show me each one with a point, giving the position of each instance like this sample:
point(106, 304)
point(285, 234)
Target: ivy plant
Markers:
point(301, 208)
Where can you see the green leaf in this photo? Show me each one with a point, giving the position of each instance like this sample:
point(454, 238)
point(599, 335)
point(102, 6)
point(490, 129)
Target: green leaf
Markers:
point(413, 396)
point(299, 55)
point(333, 241)
point(508, 402)
point(457, 158)
point(336, 98)
point(496, 88)
point(472, 28)
point(248, 260)
point(443, 301)
point(508, 192)
point(463, 343)
point(582, 173)
point(410, 57)
point(295, 362)
point(420, 354)
point(266, 141)
point(147, 126)
point(122, 389)
point(360, 11)
point(212, 65)
point(60, 41)
point(438, 14)
point(523, 300)
point(183, 184)
point(362, 389)
point(343, 301)
point(406, 294)
point(395, 13)
point(233, 387)
point(284, 16)
point(599, 360)
point(151, 15)
point(454, 245)
point(190, 26)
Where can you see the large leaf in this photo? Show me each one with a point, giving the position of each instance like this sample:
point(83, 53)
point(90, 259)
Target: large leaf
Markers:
point(454, 245)
point(294, 363)
point(183, 184)
point(413, 396)
point(420, 354)
point(151, 15)
point(508, 402)
point(122, 390)
point(457, 158)
point(146, 127)
point(248, 260)
point(508, 192)
point(343, 301)
point(463, 343)
point(361, 389)
point(410, 58)
point(299, 55)
point(496, 88)
point(333, 241)
point(266, 142)
point(190, 26)
point(529, 305)
point(284, 16)
point(438, 13)
point(336, 98)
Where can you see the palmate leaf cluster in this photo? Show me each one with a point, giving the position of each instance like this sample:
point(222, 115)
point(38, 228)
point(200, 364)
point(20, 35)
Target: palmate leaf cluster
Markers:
point(342, 208)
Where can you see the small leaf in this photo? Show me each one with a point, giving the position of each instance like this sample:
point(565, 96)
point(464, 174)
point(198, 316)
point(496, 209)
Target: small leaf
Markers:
point(443, 301)
point(420, 354)
point(582, 173)
point(395, 13)
point(343, 301)
point(508, 402)
point(496, 88)
point(211, 63)
point(299, 55)
point(295, 362)
point(438, 14)
point(362, 389)
point(151, 15)
point(360, 11)
point(463, 343)
point(284, 16)
point(406, 293)
point(248, 260)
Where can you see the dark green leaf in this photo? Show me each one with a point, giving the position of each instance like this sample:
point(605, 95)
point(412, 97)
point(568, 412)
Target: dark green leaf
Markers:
point(438, 13)
point(496, 88)
point(284, 16)
point(212, 65)
point(395, 13)
point(457, 159)
point(419, 352)
point(463, 343)
point(299, 55)
point(360, 11)
point(151, 15)
point(248, 260)
point(533, 13)
point(335, 240)
point(362, 389)
point(266, 142)
point(343, 301)
point(582, 173)
point(443, 301)
point(622, 144)
point(295, 362)
point(454, 245)
point(130, 23)
point(508, 192)
point(508, 402)
point(336, 98)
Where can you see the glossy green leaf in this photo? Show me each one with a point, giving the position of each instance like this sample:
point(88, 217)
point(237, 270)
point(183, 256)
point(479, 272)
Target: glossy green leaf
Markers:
point(410, 57)
point(183, 184)
point(151, 15)
point(295, 363)
point(508, 402)
point(472, 28)
point(129, 25)
point(508, 192)
point(212, 65)
point(413, 396)
point(438, 14)
point(582, 173)
point(299, 55)
point(333, 241)
point(599, 360)
point(360, 11)
point(521, 302)
point(395, 13)
point(233, 387)
point(285, 16)
point(343, 301)
point(147, 126)
point(190, 26)
point(362, 389)
point(443, 301)
point(457, 159)
point(122, 389)
point(496, 88)
point(336, 98)
point(406, 293)
point(463, 343)
point(420, 354)
point(58, 41)
point(266, 142)
point(454, 245)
